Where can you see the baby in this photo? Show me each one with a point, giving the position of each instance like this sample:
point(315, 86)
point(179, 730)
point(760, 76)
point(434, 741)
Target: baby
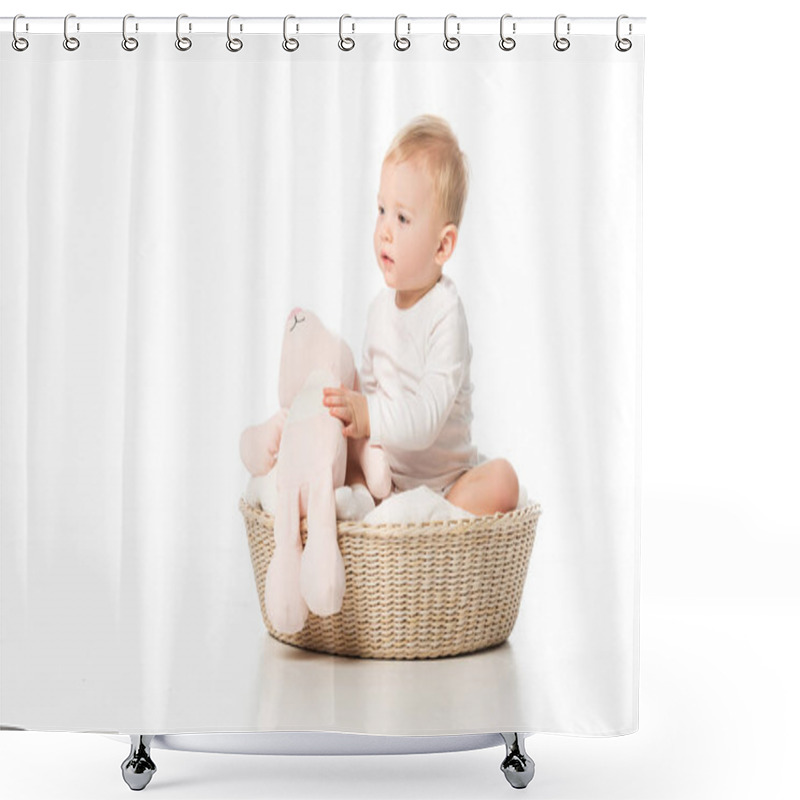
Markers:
point(416, 400)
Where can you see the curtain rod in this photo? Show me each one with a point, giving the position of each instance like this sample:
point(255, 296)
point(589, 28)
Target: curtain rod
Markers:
point(326, 25)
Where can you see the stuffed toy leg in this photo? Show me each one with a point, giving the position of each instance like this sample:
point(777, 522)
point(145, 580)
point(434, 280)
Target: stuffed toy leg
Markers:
point(283, 600)
point(322, 567)
point(311, 465)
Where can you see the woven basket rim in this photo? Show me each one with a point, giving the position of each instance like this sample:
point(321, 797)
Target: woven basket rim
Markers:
point(358, 527)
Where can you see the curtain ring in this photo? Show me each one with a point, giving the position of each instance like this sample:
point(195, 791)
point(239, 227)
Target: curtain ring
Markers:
point(18, 43)
point(346, 43)
point(128, 42)
point(234, 45)
point(451, 42)
point(401, 43)
point(506, 42)
point(289, 45)
point(183, 43)
point(561, 43)
point(623, 45)
point(70, 42)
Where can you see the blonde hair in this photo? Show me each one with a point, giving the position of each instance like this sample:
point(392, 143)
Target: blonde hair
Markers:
point(432, 140)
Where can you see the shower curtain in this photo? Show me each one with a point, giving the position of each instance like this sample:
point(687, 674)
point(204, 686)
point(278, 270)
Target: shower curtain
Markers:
point(165, 210)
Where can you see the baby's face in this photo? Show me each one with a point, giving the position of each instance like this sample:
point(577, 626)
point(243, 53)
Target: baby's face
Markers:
point(408, 230)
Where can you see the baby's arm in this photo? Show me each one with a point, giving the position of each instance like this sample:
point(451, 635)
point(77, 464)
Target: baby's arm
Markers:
point(351, 408)
point(413, 419)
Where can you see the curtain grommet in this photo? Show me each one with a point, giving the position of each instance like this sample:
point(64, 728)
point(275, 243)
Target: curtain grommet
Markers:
point(451, 43)
point(234, 45)
point(507, 42)
point(401, 43)
point(289, 44)
point(622, 44)
point(561, 43)
point(129, 43)
point(183, 43)
point(19, 43)
point(70, 43)
point(346, 43)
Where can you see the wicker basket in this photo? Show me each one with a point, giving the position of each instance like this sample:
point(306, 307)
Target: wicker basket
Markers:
point(426, 590)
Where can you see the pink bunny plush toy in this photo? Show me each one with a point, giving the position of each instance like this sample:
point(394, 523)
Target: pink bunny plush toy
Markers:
point(311, 454)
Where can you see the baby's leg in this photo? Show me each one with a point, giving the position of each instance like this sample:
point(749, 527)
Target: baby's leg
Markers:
point(489, 488)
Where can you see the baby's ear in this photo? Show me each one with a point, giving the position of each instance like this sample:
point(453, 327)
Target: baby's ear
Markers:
point(447, 243)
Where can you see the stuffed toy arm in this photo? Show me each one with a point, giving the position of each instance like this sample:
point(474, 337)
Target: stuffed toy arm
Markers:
point(372, 460)
point(375, 466)
point(259, 444)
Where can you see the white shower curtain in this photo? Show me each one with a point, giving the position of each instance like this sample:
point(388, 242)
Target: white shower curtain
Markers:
point(162, 212)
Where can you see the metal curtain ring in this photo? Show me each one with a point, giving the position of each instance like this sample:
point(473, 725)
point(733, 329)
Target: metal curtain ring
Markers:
point(623, 45)
point(561, 43)
point(70, 42)
point(345, 42)
point(18, 43)
point(289, 45)
point(506, 42)
point(451, 42)
point(234, 45)
point(401, 43)
point(128, 42)
point(183, 43)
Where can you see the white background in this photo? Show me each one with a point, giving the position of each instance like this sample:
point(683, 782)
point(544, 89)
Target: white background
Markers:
point(720, 537)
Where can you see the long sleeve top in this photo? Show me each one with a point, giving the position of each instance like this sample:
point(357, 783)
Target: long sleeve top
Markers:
point(416, 377)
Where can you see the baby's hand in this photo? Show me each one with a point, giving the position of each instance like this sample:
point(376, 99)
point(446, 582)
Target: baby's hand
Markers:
point(351, 408)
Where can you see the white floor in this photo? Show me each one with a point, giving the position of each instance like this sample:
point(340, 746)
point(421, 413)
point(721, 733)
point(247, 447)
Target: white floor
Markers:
point(719, 703)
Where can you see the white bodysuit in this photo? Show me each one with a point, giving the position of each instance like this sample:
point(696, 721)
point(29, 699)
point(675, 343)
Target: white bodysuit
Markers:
point(415, 375)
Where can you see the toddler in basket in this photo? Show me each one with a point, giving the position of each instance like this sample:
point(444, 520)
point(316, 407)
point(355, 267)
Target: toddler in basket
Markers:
point(416, 400)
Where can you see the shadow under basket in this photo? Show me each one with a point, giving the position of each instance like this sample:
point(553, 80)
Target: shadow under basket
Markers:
point(423, 590)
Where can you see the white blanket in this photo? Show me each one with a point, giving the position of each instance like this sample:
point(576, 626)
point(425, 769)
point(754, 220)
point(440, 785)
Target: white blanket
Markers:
point(415, 505)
